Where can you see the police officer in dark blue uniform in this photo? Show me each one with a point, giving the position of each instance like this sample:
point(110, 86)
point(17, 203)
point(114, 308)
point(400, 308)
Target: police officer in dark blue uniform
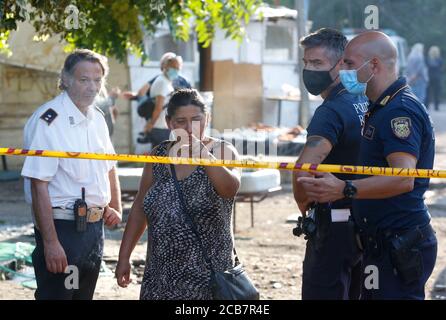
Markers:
point(399, 242)
point(332, 264)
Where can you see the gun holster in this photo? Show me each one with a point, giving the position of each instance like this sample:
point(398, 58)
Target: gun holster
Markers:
point(322, 217)
point(406, 257)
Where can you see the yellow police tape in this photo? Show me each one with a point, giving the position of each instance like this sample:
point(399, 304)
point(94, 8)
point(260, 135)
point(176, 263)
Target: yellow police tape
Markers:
point(363, 170)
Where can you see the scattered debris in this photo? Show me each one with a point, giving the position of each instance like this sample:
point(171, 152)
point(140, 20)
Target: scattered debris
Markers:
point(139, 262)
point(105, 271)
point(16, 262)
point(9, 232)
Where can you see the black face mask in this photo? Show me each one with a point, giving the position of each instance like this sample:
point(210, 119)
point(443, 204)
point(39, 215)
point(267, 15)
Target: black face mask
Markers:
point(317, 81)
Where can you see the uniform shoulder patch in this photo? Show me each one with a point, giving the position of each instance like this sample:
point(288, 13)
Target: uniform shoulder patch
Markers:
point(401, 127)
point(49, 116)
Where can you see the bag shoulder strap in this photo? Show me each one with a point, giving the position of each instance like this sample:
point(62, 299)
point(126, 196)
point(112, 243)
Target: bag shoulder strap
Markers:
point(191, 222)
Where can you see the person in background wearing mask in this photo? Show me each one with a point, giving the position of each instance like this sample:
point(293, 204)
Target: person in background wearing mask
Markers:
point(332, 264)
point(416, 72)
point(159, 88)
point(179, 83)
point(390, 212)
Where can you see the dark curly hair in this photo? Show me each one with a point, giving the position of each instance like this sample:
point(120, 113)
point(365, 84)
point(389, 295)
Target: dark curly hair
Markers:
point(185, 97)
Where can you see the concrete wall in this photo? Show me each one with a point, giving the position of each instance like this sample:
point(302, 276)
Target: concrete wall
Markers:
point(23, 90)
point(28, 79)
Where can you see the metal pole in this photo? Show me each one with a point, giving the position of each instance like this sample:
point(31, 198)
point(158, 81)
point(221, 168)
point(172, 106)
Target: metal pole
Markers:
point(350, 14)
point(304, 105)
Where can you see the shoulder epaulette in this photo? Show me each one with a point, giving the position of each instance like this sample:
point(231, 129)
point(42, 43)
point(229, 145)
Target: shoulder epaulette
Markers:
point(384, 101)
point(49, 116)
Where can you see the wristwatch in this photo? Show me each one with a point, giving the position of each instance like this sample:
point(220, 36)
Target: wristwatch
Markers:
point(349, 190)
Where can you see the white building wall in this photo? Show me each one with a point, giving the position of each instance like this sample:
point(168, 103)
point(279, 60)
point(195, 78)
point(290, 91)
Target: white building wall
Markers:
point(274, 75)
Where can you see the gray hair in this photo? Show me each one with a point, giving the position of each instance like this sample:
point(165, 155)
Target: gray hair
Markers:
point(77, 56)
point(168, 57)
point(417, 52)
point(332, 40)
point(434, 52)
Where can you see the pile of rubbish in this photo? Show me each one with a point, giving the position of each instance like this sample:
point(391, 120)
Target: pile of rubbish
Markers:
point(16, 263)
point(282, 134)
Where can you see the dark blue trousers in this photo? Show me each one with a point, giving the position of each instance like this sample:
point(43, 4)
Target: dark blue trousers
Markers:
point(332, 269)
point(390, 285)
point(83, 250)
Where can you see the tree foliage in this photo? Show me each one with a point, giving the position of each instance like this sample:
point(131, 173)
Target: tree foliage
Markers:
point(114, 27)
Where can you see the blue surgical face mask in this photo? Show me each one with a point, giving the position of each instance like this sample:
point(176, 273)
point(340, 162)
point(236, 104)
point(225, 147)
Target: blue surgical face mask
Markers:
point(172, 73)
point(349, 79)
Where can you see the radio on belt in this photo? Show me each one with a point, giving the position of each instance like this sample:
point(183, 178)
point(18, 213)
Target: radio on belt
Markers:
point(80, 213)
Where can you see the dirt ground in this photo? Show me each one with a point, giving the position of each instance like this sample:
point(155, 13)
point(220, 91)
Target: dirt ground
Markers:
point(272, 255)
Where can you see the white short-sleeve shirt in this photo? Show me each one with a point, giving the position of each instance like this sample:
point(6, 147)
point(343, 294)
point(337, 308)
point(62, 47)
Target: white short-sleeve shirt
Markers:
point(59, 125)
point(161, 87)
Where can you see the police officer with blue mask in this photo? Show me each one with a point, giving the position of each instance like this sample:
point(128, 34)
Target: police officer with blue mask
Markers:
point(332, 264)
point(399, 242)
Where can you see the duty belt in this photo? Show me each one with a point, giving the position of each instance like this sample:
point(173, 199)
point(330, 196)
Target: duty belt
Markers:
point(375, 243)
point(338, 215)
point(94, 214)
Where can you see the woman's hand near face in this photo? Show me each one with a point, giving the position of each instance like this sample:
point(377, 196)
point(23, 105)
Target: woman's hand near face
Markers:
point(200, 149)
point(193, 148)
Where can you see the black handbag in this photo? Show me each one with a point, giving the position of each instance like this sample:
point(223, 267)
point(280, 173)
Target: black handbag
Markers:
point(145, 107)
point(231, 284)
